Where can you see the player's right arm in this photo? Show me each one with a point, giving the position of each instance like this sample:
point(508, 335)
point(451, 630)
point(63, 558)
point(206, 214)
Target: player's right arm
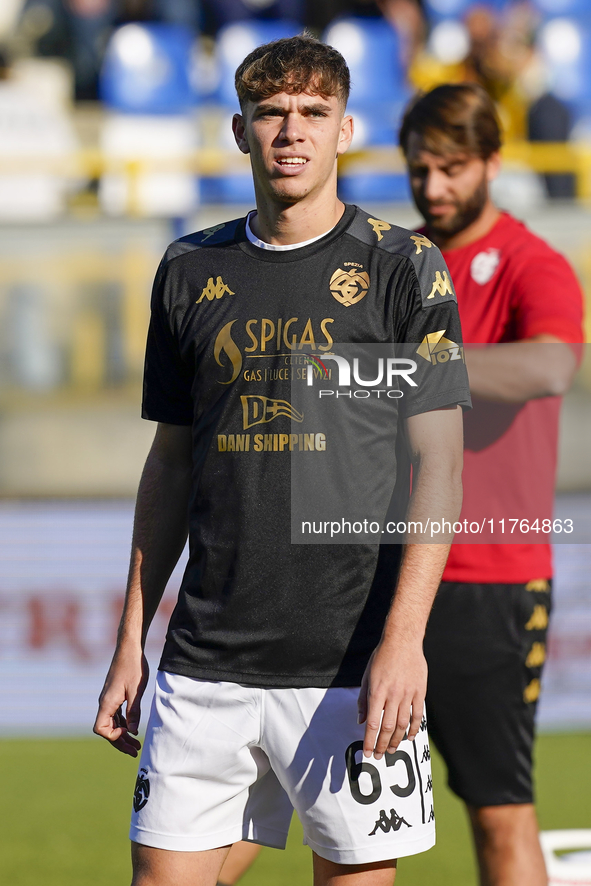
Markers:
point(159, 535)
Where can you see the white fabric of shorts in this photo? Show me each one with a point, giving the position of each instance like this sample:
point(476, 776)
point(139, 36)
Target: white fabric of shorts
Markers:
point(222, 762)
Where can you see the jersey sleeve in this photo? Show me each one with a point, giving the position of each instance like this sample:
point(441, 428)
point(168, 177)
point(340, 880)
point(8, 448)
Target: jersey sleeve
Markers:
point(167, 381)
point(547, 298)
point(432, 325)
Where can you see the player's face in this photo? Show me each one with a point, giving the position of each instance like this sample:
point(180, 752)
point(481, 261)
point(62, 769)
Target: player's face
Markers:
point(450, 190)
point(293, 142)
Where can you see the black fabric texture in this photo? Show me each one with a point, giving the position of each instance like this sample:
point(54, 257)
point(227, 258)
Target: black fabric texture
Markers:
point(481, 714)
point(231, 327)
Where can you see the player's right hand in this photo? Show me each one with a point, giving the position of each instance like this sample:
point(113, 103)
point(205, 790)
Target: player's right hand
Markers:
point(125, 684)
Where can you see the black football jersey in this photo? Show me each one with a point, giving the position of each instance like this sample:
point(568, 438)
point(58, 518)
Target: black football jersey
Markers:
point(237, 333)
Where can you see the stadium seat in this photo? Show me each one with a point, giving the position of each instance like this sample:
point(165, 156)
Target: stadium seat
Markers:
point(379, 92)
point(37, 131)
point(234, 42)
point(146, 85)
point(147, 70)
point(565, 46)
point(553, 8)
point(436, 10)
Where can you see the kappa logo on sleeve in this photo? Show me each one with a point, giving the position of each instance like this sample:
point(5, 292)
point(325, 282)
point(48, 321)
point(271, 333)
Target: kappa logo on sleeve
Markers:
point(349, 287)
point(437, 349)
point(379, 227)
point(209, 232)
point(420, 241)
point(214, 290)
point(441, 285)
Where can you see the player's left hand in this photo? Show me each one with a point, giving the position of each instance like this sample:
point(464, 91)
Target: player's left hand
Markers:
point(392, 697)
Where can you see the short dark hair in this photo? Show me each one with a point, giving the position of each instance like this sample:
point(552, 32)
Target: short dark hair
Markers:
point(293, 65)
point(452, 117)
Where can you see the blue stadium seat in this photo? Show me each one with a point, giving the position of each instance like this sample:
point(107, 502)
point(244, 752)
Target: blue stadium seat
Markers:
point(436, 10)
point(374, 187)
point(552, 8)
point(234, 42)
point(379, 93)
point(372, 50)
point(146, 85)
point(565, 45)
point(147, 69)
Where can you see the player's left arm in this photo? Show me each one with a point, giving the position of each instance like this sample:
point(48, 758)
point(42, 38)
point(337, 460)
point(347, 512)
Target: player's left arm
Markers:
point(541, 366)
point(547, 311)
point(395, 682)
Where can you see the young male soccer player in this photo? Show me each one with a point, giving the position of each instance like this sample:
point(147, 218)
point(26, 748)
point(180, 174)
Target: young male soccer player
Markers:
point(256, 705)
point(485, 643)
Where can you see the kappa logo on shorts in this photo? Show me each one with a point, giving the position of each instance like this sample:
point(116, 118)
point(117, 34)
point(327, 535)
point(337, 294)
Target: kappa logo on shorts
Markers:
point(536, 656)
point(538, 620)
point(385, 824)
point(538, 585)
point(349, 287)
point(142, 790)
point(532, 691)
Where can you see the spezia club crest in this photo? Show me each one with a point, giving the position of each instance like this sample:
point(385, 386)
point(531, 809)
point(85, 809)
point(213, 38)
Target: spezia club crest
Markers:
point(349, 287)
point(484, 265)
point(142, 790)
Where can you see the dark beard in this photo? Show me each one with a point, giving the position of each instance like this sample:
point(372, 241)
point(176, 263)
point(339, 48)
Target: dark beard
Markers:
point(466, 212)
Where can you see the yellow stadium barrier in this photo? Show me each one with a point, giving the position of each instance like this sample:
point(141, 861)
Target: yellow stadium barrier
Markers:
point(541, 157)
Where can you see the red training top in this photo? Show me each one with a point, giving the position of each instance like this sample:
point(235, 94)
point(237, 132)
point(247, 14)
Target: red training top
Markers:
point(510, 286)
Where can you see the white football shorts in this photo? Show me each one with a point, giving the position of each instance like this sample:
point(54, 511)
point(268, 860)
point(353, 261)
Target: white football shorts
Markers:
point(223, 762)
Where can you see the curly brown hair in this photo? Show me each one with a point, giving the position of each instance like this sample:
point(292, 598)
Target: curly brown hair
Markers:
point(293, 65)
point(452, 117)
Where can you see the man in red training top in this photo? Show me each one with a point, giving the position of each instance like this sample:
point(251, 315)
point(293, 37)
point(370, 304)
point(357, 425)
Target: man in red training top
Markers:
point(485, 642)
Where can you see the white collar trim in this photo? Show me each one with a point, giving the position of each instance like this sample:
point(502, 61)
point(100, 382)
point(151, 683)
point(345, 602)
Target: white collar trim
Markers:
point(273, 246)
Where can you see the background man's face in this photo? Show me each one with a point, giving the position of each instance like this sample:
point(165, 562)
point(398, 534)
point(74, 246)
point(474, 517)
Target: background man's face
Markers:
point(293, 141)
point(450, 190)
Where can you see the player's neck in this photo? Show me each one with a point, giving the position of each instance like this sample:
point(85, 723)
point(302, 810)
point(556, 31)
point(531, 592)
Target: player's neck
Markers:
point(283, 224)
point(475, 231)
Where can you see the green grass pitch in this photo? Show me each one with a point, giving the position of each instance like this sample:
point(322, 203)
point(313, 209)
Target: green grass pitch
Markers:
point(65, 808)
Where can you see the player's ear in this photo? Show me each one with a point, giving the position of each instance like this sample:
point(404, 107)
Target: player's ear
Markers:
point(493, 166)
point(239, 130)
point(346, 134)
